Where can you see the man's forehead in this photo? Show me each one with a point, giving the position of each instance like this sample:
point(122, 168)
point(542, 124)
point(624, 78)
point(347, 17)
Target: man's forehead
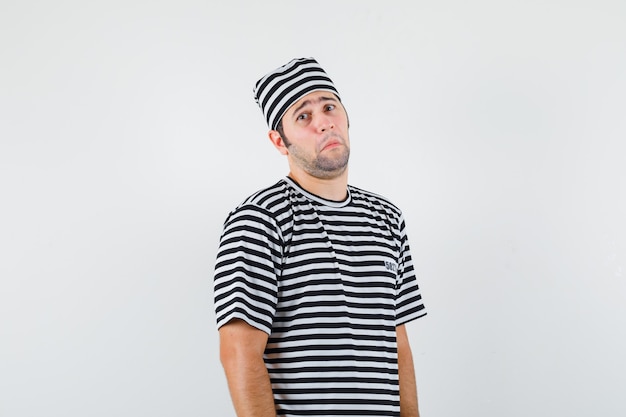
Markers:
point(312, 98)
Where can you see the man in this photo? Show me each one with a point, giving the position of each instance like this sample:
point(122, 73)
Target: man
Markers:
point(314, 281)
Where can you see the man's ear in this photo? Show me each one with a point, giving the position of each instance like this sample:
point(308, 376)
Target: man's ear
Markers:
point(278, 141)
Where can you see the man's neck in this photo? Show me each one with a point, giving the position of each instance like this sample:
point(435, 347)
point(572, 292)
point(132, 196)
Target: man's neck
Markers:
point(335, 188)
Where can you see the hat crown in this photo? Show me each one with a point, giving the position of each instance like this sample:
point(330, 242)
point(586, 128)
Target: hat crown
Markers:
point(279, 89)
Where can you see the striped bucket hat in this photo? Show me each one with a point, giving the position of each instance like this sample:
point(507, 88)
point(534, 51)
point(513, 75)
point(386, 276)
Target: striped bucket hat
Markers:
point(281, 88)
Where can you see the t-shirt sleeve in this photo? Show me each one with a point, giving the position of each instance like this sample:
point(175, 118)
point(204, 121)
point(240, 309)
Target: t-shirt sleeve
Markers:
point(248, 263)
point(409, 305)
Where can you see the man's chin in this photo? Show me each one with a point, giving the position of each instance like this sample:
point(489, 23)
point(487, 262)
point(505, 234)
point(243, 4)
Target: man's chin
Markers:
point(331, 172)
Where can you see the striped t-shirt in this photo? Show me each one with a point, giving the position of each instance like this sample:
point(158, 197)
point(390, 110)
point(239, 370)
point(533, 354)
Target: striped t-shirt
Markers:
point(328, 282)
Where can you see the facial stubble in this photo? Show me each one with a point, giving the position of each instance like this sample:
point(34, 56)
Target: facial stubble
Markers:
point(325, 165)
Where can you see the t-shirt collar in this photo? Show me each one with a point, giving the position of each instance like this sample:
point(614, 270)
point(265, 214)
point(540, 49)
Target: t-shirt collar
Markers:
point(321, 200)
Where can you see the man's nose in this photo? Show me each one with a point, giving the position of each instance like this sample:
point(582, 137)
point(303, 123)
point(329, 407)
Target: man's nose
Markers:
point(325, 123)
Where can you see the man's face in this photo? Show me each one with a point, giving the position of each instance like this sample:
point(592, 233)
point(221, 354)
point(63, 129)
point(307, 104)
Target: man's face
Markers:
point(316, 135)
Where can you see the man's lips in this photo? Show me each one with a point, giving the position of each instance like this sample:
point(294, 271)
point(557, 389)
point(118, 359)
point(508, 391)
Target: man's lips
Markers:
point(332, 143)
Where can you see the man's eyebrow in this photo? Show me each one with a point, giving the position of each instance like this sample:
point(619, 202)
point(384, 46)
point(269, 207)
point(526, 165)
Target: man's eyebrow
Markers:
point(307, 102)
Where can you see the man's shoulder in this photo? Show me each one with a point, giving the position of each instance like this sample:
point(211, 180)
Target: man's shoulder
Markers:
point(268, 200)
point(362, 196)
point(265, 196)
point(265, 206)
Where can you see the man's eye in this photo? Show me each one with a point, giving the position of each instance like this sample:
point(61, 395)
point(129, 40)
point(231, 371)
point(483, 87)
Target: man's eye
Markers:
point(303, 116)
point(330, 107)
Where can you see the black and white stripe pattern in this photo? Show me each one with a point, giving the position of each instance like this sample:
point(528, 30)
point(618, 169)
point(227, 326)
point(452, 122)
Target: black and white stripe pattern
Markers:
point(329, 282)
point(281, 88)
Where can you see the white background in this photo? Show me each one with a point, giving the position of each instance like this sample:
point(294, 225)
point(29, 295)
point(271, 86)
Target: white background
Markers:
point(128, 131)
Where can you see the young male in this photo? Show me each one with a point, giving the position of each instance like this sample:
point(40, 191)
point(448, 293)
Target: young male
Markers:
point(314, 280)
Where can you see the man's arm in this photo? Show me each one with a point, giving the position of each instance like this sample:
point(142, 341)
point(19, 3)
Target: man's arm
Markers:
point(241, 354)
point(406, 371)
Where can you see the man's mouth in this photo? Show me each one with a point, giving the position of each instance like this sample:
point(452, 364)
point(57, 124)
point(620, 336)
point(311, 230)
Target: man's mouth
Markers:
point(331, 143)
